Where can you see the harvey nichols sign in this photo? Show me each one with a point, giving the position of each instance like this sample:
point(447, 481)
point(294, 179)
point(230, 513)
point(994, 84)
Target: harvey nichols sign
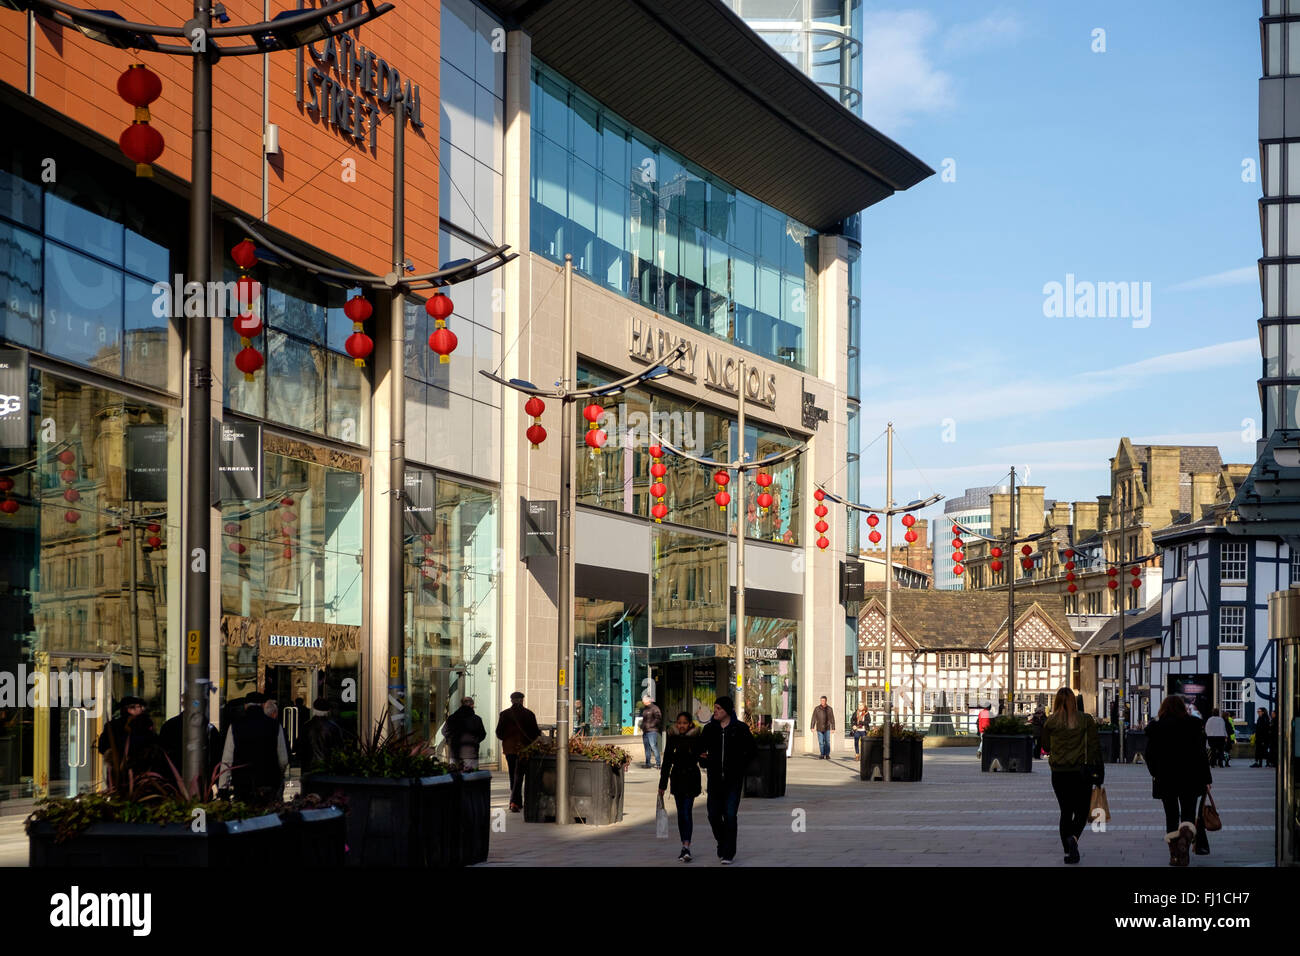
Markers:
point(717, 369)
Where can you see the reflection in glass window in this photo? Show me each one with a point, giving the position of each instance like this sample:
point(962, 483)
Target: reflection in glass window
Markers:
point(298, 370)
point(20, 286)
point(610, 663)
point(690, 593)
point(83, 309)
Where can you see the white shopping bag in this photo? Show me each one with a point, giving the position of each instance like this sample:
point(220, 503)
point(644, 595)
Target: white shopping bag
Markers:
point(661, 819)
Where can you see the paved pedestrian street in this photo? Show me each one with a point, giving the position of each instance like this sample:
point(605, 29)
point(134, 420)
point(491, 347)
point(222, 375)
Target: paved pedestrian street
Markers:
point(956, 816)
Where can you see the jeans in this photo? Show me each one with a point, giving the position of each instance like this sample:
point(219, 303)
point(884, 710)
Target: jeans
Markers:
point(723, 804)
point(651, 741)
point(824, 742)
point(857, 741)
point(516, 767)
point(1180, 808)
point(1216, 751)
point(1073, 794)
point(685, 825)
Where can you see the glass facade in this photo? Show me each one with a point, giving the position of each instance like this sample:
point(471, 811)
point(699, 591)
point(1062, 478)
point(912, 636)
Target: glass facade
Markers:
point(771, 685)
point(452, 575)
point(611, 664)
point(88, 537)
point(643, 221)
point(617, 476)
point(690, 591)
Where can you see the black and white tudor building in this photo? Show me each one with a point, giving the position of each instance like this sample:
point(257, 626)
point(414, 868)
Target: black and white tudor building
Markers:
point(1214, 616)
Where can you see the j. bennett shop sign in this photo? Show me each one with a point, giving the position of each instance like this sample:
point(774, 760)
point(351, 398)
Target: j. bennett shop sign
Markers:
point(718, 369)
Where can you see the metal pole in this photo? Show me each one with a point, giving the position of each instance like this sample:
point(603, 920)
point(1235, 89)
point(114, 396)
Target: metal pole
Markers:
point(397, 434)
point(1012, 561)
point(889, 602)
point(564, 548)
point(1123, 672)
point(198, 531)
point(740, 542)
point(135, 614)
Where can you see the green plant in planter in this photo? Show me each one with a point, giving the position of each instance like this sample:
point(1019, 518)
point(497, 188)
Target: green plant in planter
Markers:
point(580, 746)
point(896, 732)
point(385, 754)
point(774, 738)
point(1009, 725)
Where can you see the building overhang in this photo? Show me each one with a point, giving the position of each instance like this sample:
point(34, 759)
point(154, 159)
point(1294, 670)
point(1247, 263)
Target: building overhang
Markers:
point(694, 76)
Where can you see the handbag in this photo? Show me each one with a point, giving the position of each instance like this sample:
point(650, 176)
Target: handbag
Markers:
point(1099, 801)
point(661, 819)
point(1211, 813)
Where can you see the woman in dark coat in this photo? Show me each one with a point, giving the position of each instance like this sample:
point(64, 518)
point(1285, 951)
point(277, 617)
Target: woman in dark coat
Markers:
point(681, 769)
point(1176, 758)
point(1263, 734)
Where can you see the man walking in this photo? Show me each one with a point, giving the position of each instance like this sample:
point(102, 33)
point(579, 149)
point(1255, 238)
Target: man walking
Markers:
point(823, 721)
point(516, 729)
point(255, 755)
point(652, 721)
point(726, 748)
point(464, 731)
point(320, 737)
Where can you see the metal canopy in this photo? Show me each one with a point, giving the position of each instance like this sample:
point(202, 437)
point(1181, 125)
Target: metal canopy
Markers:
point(1268, 501)
point(694, 76)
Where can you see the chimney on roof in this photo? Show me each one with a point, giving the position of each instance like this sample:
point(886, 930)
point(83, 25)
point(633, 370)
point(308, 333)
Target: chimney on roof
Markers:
point(1061, 514)
point(999, 512)
point(1085, 519)
point(1204, 490)
point(1029, 509)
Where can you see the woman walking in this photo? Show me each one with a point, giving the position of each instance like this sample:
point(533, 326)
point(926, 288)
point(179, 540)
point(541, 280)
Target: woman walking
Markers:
point(1176, 758)
point(1262, 734)
point(861, 721)
point(1074, 754)
point(681, 770)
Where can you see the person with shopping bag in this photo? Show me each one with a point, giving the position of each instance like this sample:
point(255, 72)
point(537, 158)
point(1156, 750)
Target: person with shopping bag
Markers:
point(1177, 761)
point(1074, 755)
point(681, 770)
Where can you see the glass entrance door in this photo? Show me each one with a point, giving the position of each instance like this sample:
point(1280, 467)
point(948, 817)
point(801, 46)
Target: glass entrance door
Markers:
point(72, 709)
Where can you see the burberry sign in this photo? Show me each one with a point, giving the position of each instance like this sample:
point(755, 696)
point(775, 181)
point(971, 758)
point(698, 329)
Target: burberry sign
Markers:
point(716, 368)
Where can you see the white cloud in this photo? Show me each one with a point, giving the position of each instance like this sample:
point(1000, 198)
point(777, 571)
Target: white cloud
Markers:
point(1220, 279)
point(899, 79)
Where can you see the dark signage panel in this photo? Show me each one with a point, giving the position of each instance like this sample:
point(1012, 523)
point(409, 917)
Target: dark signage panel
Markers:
point(537, 527)
point(1196, 690)
point(14, 398)
point(342, 488)
point(237, 461)
point(851, 582)
point(146, 463)
point(420, 488)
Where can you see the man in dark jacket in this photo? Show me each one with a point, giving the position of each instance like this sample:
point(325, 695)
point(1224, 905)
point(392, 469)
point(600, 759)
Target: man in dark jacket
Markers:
point(464, 731)
point(726, 748)
point(823, 721)
point(652, 723)
point(516, 729)
point(113, 739)
point(255, 755)
point(1263, 734)
point(320, 737)
point(172, 740)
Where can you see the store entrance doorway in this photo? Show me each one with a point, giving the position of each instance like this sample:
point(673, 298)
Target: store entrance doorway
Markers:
point(285, 684)
point(72, 709)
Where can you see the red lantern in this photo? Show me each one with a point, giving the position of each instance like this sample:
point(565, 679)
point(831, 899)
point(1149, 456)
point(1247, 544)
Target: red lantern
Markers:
point(9, 506)
point(247, 293)
point(71, 495)
point(288, 517)
point(1069, 565)
point(232, 528)
point(658, 469)
point(245, 254)
point(821, 511)
point(1027, 564)
point(139, 85)
point(534, 407)
point(68, 474)
point(763, 479)
point(155, 541)
point(1069, 575)
point(439, 306)
point(822, 527)
point(6, 484)
point(823, 543)
point(286, 502)
point(721, 478)
point(996, 552)
point(1111, 572)
point(910, 536)
point(357, 309)
point(660, 511)
point(1136, 582)
point(1072, 588)
point(237, 547)
point(67, 456)
point(247, 325)
point(71, 517)
point(873, 520)
point(909, 520)
point(874, 537)
point(596, 438)
point(536, 434)
point(443, 341)
point(1069, 554)
point(958, 557)
point(957, 542)
point(141, 144)
point(765, 501)
point(722, 498)
point(996, 566)
point(288, 552)
point(958, 570)
point(1112, 584)
point(819, 494)
point(1135, 571)
point(359, 345)
point(1026, 550)
point(593, 413)
point(248, 361)
point(956, 529)
point(655, 451)
point(658, 489)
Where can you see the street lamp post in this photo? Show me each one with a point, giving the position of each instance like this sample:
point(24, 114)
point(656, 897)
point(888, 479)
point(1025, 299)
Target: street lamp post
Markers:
point(567, 395)
point(200, 41)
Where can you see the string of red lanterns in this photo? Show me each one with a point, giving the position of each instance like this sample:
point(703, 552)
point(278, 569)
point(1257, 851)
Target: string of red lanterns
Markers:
point(595, 437)
point(8, 506)
point(68, 476)
point(764, 481)
point(1070, 576)
point(658, 490)
point(1026, 561)
point(442, 340)
point(535, 433)
point(958, 551)
point(248, 324)
point(995, 565)
point(822, 527)
point(358, 344)
point(874, 536)
point(723, 498)
point(140, 142)
point(908, 521)
point(154, 540)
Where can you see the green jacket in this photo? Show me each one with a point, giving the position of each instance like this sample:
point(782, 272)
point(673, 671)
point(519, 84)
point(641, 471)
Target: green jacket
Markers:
point(1071, 749)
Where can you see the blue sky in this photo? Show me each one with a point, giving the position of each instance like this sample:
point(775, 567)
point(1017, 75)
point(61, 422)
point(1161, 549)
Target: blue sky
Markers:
point(1115, 166)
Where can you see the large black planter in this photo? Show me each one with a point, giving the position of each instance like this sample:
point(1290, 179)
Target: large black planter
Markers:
point(765, 776)
point(383, 818)
point(438, 809)
point(595, 791)
point(474, 791)
point(315, 838)
point(1013, 752)
point(905, 757)
point(1135, 742)
point(1109, 744)
point(258, 841)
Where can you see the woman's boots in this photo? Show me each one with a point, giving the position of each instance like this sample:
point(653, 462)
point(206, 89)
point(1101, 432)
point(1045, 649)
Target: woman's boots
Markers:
point(1180, 842)
point(1071, 846)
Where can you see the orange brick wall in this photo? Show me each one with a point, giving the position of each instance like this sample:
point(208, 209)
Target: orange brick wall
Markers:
point(308, 196)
